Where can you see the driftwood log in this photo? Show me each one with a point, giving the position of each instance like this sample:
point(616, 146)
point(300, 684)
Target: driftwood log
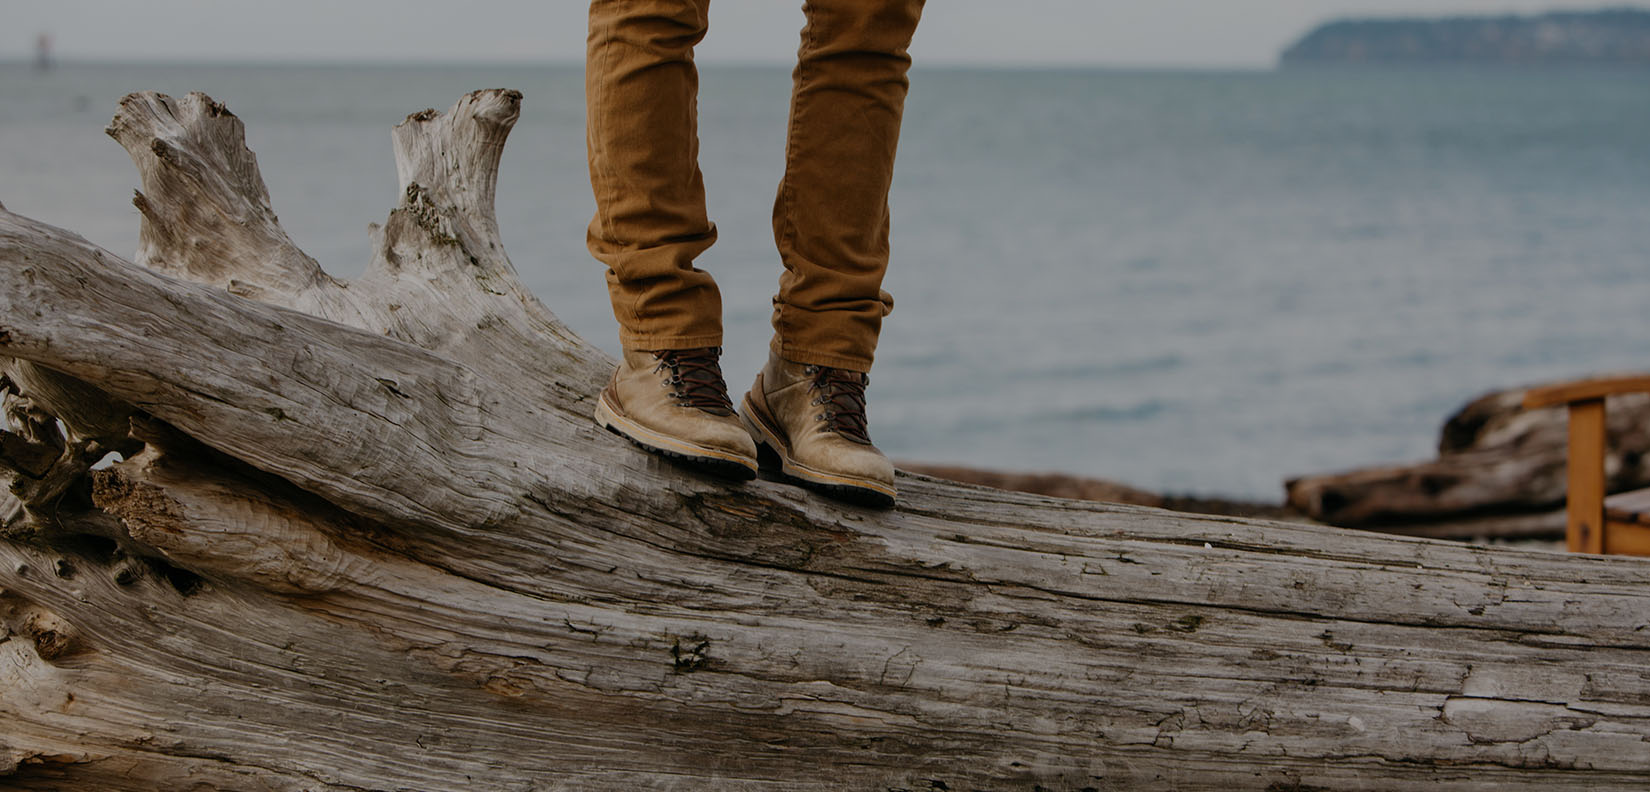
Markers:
point(1500, 467)
point(1066, 485)
point(366, 537)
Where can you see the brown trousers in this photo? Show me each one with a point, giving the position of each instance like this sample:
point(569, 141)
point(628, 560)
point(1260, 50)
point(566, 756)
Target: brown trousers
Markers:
point(830, 219)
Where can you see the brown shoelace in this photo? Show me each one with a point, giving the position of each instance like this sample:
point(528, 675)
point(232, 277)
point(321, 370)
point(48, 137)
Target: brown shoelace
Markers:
point(696, 377)
point(843, 394)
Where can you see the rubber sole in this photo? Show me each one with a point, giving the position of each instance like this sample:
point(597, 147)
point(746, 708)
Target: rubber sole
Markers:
point(709, 460)
point(773, 453)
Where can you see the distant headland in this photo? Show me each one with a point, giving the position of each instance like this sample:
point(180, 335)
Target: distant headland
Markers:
point(1612, 37)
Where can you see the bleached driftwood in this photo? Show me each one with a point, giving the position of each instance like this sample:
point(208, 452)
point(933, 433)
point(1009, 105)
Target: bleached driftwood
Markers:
point(1498, 465)
point(367, 537)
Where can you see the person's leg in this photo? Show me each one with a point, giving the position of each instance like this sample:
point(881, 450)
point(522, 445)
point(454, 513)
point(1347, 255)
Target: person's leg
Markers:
point(830, 223)
point(641, 90)
point(641, 94)
point(830, 217)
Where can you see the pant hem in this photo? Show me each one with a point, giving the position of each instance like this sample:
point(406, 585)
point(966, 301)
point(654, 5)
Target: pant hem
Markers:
point(657, 343)
point(797, 355)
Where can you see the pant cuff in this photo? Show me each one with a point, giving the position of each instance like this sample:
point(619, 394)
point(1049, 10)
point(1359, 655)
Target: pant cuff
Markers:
point(656, 343)
point(798, 355)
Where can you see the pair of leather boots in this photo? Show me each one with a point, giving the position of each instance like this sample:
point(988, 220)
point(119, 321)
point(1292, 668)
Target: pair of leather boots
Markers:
point(810, 420)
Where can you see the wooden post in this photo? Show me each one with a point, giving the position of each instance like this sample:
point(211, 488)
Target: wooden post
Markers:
point(1585, 505)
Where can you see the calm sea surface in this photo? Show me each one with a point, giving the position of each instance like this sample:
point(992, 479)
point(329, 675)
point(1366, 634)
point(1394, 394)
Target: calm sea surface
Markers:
point(1199, 282)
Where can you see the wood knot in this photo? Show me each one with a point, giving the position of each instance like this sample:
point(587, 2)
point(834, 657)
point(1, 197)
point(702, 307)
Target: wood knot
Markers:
point(52, 645)
point(426, 215)
point(691, 656)
point(53, 638)
point(164, 152)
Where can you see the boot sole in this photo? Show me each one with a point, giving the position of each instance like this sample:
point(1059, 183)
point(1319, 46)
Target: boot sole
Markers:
point(709, 460)
point(770, 449)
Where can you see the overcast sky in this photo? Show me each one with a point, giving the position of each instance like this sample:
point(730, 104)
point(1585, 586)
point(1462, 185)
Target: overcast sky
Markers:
point(1244, 33)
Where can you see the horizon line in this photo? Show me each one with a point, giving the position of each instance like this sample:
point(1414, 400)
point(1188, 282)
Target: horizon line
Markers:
point(373, 62)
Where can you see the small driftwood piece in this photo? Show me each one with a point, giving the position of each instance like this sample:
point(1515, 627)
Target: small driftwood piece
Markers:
point(366, 537)
point(1498, 464)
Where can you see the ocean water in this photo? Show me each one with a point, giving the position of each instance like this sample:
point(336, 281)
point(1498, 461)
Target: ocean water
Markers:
point(1195, 282)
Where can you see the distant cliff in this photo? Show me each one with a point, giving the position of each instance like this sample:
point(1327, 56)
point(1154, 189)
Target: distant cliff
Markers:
point(1616, 37)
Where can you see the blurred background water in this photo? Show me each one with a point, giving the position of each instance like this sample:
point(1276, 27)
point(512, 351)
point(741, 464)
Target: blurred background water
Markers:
point(1189, 281)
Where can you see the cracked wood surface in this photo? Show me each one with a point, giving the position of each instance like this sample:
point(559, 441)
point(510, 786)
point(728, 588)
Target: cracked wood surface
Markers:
point(366, 537)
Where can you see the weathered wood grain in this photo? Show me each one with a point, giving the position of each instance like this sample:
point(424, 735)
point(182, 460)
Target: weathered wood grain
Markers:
point(367, 537)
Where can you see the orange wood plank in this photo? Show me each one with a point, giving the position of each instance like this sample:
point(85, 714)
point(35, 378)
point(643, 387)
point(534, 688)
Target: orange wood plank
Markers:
point(1627, 539)
point(1585, 390)
point(1585, 506)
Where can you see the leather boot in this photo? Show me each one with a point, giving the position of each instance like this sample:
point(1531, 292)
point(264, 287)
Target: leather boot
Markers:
point(812, 418)
point(675, 403)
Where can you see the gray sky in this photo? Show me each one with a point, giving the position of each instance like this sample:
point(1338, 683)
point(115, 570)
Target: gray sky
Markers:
point(1110, 32)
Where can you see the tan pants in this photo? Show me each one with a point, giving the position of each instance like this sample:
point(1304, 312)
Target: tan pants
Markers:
point(830, 219)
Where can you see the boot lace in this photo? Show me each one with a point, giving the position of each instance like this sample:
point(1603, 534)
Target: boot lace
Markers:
point(843, 394)
point(695, 378)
